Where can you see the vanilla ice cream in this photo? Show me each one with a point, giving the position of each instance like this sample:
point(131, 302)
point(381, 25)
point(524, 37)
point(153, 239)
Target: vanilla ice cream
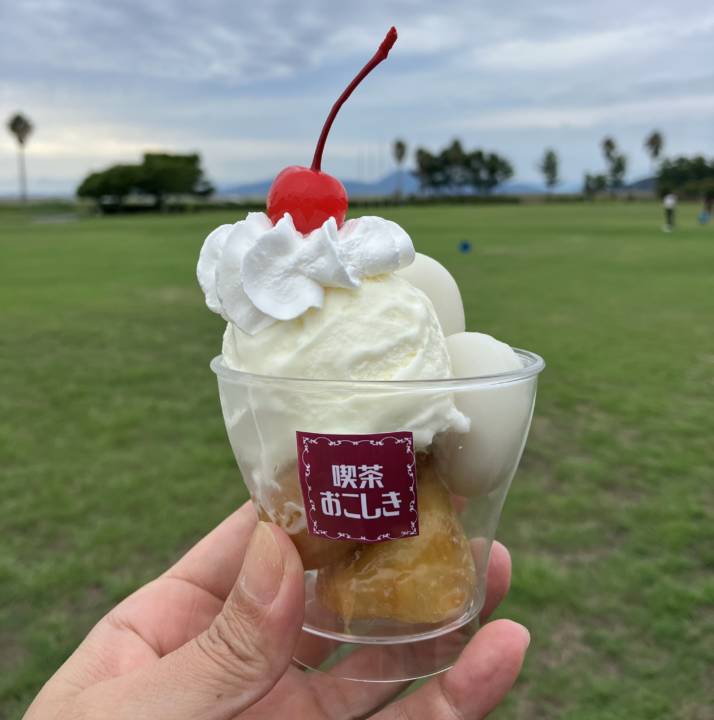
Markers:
point(385, 330)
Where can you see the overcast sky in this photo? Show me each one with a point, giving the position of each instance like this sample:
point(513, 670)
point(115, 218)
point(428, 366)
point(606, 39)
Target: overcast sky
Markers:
point(248, 84)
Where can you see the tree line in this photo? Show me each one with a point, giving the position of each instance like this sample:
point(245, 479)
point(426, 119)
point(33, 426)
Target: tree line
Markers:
point(452, 170)
point(690, 177)
point(158, 175)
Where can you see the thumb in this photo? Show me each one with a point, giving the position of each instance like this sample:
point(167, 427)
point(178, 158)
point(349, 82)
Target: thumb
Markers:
point(244, 652)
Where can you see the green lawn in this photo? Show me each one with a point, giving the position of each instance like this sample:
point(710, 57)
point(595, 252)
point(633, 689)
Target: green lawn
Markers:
point(113, 456)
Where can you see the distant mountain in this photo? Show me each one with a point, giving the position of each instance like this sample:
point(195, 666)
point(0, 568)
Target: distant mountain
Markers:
point(516, 187)
point(647, 184)
point(258, 189)
point(389, 183)
point(355, 188)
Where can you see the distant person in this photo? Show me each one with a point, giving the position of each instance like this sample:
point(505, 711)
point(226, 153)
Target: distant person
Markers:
point(669, 203)
point(706, 213)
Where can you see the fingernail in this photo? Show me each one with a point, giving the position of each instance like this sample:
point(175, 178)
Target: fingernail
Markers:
point(262, 570)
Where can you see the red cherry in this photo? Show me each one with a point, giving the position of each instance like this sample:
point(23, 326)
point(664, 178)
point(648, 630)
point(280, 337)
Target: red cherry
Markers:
point(308, 194)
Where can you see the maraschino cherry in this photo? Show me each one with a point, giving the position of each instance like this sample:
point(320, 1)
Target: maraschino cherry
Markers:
point(308, 194)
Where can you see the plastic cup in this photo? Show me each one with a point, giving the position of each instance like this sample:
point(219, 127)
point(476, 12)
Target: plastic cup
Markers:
point(400, 609)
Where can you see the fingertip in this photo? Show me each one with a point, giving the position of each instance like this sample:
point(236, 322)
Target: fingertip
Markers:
point(487, 668)
point(500, 553)
point(515, 629)
point(500, 562)
point(288, 607)
point(498, 580)
point(249, 508)
point(291, 557)
point(499, 647)
point(246, 516)
point(527, 634)
point(509, 637)
point(261, 575)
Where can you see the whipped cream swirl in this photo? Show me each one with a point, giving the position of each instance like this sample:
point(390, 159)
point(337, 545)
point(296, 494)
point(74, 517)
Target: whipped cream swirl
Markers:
point(254, 273)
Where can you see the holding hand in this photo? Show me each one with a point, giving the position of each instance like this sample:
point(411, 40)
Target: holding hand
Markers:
point(213, 637)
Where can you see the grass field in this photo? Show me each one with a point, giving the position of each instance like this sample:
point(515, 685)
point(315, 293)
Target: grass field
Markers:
point(113, 455)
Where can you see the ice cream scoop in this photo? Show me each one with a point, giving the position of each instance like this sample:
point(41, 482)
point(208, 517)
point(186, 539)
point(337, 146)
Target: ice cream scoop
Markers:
point(386, 330)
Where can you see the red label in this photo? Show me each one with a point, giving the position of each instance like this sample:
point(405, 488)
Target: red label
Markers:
point(359, 487)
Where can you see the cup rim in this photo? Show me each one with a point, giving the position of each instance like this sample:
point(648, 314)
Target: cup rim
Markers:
point(533, 365)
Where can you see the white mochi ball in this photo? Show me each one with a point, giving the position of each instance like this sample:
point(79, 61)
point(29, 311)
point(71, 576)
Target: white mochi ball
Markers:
point(437, 283)
point(475, 463)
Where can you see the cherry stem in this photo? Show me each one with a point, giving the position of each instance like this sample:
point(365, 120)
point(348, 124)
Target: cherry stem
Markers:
point(377, 58)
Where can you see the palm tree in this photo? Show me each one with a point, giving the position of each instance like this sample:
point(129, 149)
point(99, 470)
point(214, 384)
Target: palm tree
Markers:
point(21, 128)
point(616, 163)
point(654, 143)
point(549, 167)
point(399, 150)
point(608, 148)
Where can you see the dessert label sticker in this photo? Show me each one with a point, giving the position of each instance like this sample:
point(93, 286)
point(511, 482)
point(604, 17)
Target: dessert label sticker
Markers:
point(359, 487)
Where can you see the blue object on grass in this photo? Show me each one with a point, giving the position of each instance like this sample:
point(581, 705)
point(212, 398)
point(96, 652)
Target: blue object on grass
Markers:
point(704, 217)
point(465, 246)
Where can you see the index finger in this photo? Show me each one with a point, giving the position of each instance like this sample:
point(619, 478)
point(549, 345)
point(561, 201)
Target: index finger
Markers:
point(214, 562)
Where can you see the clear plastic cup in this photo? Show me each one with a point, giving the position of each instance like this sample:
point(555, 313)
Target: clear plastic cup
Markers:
point(404, 608)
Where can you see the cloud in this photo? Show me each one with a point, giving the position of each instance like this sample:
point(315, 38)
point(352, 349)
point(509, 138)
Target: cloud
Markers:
point(592, 116)
point(578, 47)
point(249, 84)
point(107, 143)
point(537, 55)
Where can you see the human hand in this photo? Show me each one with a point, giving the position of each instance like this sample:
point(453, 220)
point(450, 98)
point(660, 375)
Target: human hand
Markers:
point(212, 639)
